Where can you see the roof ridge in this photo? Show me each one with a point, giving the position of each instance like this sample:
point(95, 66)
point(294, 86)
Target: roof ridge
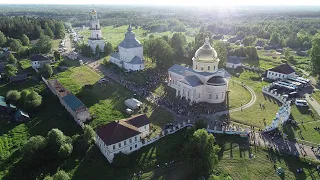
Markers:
point(127, 125)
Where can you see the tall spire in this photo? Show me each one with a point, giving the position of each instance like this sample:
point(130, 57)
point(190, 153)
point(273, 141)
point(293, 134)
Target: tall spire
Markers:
point(206, 41)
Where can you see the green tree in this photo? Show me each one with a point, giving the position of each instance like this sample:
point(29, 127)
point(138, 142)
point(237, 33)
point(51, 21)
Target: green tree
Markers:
point(10, 70)
point(315, 54)
point(16, 45)
point(89, 134)
point(201, 152)
point(97, 52)
point(60, 30)
point(44, 44)
point(286, 53)
point(57, 55)
point(61, 175)
point(65, 150)
point(86, 50)
point(292, 41)
point(200, 124)
point(222, 51)
point(25, 40)
point(251, 53)
point(249, 40)
point(3, 39)
point(178, 43)
point(33, 100)
point(33, 145)
point(12, 59)
point(24, 93)
point(46, 70)
point(13, 95)
point(160, 52)
point(275, 38)
point(48, 31)
point(108, 49)
point(56, 138)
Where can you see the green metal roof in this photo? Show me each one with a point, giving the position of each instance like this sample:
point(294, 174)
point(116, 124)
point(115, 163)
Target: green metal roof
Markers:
point(73, 102)
point(3, 101)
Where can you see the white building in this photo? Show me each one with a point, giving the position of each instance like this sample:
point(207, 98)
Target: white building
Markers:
point(38, 61)
point(204, 82)
point(283, 71)
point(96, 35)
point(130, 55)
point(122, 135)
point(234, 62)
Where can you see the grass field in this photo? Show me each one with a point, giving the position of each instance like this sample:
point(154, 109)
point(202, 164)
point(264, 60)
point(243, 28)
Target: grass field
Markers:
point(116, 35)
point(106, 101)
point(238, 95)
point(316, 96)
point(253, 115)
point(237, 163)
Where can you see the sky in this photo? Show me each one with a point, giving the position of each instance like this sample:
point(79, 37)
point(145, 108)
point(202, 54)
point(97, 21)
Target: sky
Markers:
point(174, 2)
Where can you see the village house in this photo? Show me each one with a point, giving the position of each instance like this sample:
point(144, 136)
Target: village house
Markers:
point(234, 61)
point(18, 78)
point(38, 61)
point(282, 71)
point(123, 136)
point(72, 104)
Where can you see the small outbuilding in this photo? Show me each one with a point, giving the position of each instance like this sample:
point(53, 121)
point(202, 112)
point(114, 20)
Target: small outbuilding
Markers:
point(234, 61)
point(21, 116)
point(133, 103)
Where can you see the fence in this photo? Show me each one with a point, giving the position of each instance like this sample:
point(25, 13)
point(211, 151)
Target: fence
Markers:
point(284, 112)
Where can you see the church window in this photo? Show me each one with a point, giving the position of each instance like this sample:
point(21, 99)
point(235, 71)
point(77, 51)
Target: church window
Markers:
point(97, 36)
point(199, 96)
point(130, 148)
point(114, 147)
point(96, 26)
point(125, 143)
point(130, 141)
point(135, 138)
point(210, 96)
point(214, 67)
point(208, 68)
point(222, 95)
point(217, 96)
point(119, 145)
point(196, 66)
point(182, 91)
point(135, 146)
point(202, 68)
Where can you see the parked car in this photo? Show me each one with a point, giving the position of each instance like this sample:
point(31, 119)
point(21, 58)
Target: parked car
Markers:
point(300, 102)
point(293, 94)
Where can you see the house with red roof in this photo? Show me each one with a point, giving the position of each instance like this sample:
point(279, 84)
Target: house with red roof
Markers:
point(122, 135)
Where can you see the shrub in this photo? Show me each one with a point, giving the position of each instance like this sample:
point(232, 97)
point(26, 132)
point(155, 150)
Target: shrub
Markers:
point(61, 175)
point(13, 95)
point(33, 145)
point(65, 150)
point(33, 100)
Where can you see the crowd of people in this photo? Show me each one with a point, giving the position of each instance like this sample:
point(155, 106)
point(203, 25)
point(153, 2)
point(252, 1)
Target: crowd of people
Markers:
point(151, 81)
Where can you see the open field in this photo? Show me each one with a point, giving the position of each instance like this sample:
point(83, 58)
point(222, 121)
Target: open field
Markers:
point(116, 35)
point(237, 163)
point(238, 95)
point(253, 115)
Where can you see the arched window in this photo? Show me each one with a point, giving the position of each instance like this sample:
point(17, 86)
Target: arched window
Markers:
point(222, 95)
point(217, 96)
point(196, 66)
point(210, 96)
point(202, 68)
point(208, 68)
point(214, 67)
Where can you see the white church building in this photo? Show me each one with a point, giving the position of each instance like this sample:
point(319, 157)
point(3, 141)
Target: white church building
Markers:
point(130, 55)
point(204, 82)
point(95, 38)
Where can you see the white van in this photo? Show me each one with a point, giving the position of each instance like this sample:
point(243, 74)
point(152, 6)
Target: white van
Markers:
point(300, 102)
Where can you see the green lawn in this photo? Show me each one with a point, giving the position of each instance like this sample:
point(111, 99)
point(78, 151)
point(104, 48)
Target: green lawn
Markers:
point(116, 35)
point(25, 64)
point(55, 44)
point(238, 95)
point(316, 96)
point(106, 102)
point(253, 115)
point(237, 163)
